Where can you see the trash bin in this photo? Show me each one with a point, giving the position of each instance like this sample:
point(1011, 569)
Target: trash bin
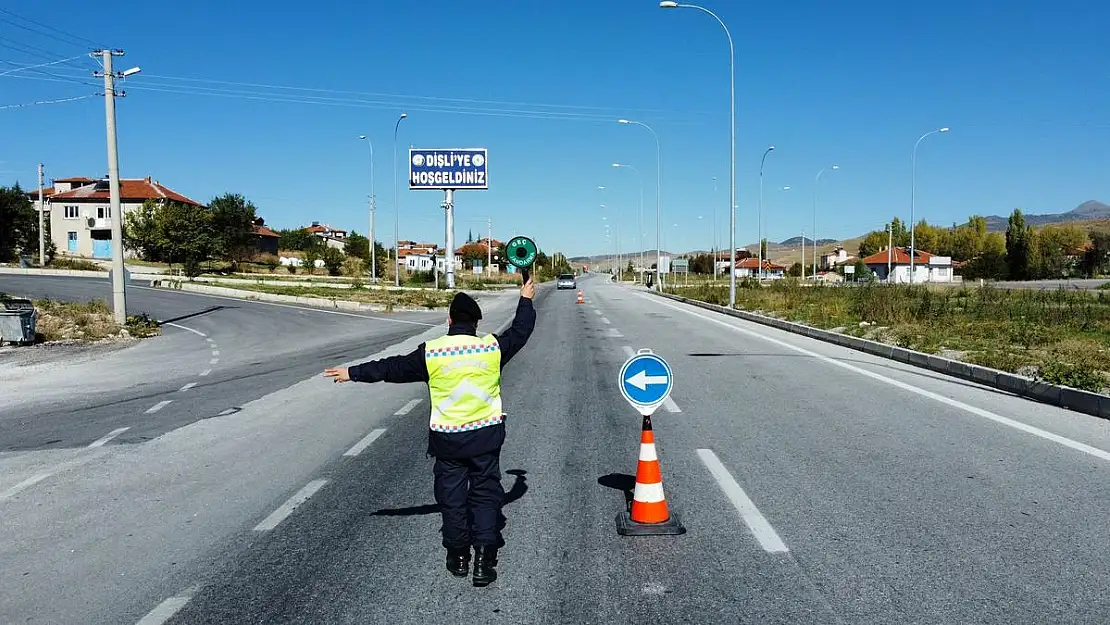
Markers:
point(17, 321)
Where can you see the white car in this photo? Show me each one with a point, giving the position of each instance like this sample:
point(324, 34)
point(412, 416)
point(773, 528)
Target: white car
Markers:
point(566, 281)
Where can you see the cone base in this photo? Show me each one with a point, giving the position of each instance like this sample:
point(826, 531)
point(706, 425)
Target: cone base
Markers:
point(627, 527)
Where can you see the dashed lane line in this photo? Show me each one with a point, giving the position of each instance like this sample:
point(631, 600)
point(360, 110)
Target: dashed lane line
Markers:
point(605, 321)
point(160, 405)
point(187, 387)
point(364, 443)
point(100, 442)
point(287, 508)
point(27, 483)
point(766, 535)
point(205, 373)
point(407, 408)
point(164, 611)
point(213, 361)
point(615, 334)
point(215, 352)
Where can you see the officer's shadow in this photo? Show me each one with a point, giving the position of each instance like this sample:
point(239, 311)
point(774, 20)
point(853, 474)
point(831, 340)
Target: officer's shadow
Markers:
point(519, 487)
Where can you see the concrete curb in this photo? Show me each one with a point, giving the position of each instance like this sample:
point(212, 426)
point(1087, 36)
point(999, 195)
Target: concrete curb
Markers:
point(17, 271)
point(1086, 402)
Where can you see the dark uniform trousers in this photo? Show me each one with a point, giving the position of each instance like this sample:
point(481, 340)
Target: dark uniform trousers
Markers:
point(469, 494)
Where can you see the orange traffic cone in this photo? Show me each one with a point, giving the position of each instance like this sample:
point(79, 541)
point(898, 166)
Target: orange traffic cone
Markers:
point(649, 515)
point(581, 298)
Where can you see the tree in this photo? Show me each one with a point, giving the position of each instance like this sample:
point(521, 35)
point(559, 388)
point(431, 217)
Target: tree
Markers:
point(472, 252)
point(312, 253)
point(357, 245)
point(989, 262)
point(762, 248)
point(1096, 260)
point(863, 274)
point(872, 243)
point(18, 223)
point(233, 219)
point(930, 238)
point(141, 234)
point(298, 239)
point(333, 260)
point(1057, 247)
point(795, 270)
point(186, 235)
point(1019, 244)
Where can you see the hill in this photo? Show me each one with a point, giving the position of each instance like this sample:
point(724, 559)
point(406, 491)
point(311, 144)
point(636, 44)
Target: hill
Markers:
point(1090, 210)
point(796, 241)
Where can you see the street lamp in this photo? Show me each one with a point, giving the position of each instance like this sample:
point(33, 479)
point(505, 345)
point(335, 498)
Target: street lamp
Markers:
point(759, 219)
point(641, 177)
point(667, 4)
point(373, 207)
point(658, 199)
point(815, 181)
point(397, 211)
point(913, 196)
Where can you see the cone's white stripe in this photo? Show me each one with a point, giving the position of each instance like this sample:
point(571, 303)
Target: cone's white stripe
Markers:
point(647, 452)
point(649, 493)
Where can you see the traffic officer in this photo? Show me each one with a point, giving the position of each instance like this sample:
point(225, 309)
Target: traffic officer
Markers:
point(467, 429)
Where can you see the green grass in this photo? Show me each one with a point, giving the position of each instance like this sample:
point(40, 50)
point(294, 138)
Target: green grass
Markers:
point(75, 264)
point(388, 297)
point(1059, 336)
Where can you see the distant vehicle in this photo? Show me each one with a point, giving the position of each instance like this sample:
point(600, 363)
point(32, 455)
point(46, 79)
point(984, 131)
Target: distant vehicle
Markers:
point(566, 281)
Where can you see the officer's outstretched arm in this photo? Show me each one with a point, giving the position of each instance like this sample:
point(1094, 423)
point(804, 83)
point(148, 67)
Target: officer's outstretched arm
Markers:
point(410, 367)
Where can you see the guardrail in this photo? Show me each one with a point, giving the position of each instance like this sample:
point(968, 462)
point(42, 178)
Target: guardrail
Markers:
point(1086, 402)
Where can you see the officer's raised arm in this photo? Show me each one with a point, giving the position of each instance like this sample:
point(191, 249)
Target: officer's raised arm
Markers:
point(514, 339)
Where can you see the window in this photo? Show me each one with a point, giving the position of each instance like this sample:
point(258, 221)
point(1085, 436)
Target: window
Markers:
point(71, 212)
point(103, 212)
point(71, 236)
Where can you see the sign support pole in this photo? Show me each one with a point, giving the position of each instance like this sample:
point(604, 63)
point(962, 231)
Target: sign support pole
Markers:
point(449, 257)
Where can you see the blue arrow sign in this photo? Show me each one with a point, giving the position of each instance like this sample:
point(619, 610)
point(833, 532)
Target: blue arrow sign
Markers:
point(646, 380)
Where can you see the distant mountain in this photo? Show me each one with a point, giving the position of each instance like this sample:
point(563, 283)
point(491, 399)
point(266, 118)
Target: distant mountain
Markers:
point(794, 242)
point(1087, 211)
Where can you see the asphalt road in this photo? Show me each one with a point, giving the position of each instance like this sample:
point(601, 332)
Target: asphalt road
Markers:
point(1079, 284)
point(215, 355)
point(817, 485)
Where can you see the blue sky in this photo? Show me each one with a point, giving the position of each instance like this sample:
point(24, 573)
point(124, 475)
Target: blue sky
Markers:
point(1023, 85)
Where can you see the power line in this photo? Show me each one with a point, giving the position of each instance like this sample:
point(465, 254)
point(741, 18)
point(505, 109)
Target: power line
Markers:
point(56, 77)
point(48, 28)
point(26, 67)
point(58, 101)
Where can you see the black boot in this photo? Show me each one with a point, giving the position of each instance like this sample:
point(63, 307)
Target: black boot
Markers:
point(458, 561)
point(485, 558)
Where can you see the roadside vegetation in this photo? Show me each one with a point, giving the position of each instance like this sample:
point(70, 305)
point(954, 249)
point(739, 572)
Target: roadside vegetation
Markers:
point(390, 298)
point(85, 322)
point(1061, 337)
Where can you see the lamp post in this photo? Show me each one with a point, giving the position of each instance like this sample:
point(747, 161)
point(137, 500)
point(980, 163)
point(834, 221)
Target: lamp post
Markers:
point(913, 195)
point(641, 177)
point(658, 199)
point(668, 4)
point(759, 219)
point(816, 180)
point(397, 209)
point(373, 202)
point(715, 250)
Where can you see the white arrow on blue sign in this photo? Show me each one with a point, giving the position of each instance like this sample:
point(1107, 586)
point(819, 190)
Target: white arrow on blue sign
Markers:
point(646, 381)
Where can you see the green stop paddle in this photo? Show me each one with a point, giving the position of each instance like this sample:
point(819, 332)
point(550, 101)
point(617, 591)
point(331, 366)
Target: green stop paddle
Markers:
point(521, 252)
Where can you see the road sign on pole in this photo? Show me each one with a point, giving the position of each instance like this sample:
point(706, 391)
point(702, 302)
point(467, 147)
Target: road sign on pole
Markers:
point(443, 169)
point(646, 381)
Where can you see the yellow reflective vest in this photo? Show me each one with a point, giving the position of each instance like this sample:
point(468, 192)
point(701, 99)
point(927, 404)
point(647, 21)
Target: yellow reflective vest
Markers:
point(464, 379)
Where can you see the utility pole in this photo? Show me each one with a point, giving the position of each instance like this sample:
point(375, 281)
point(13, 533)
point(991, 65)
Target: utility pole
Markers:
point(42, 233)
point(119, 295)
point(889, 249)
point(489, 244)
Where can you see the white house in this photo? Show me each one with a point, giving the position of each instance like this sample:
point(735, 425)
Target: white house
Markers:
point(927, 267)
point(839, 256)
point(749, 268)
point(81, 215)
point(333, 237)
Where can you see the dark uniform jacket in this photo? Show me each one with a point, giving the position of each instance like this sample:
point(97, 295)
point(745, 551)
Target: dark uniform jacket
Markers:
point(411, 367)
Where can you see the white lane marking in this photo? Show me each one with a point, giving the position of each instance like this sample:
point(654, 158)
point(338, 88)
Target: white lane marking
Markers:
point(615, 333)
point(766, 535)
point(364, 443)
point(213, 361)
point(225, 412)
point(107, 437)
point(27, 483)
point(598, 312)
point(160, 405)
point(668, 404)
point(605, 321)
point(164, 611)
point(215, 352)
point(187, 387)
point(210, 341)
point(205, 373)
point(407, 408)
point(986, 414)
point(279, 515)
point(180, 327)
point(303, 308)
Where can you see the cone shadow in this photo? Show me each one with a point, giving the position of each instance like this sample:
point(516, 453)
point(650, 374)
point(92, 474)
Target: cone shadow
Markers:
point(622, 482)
